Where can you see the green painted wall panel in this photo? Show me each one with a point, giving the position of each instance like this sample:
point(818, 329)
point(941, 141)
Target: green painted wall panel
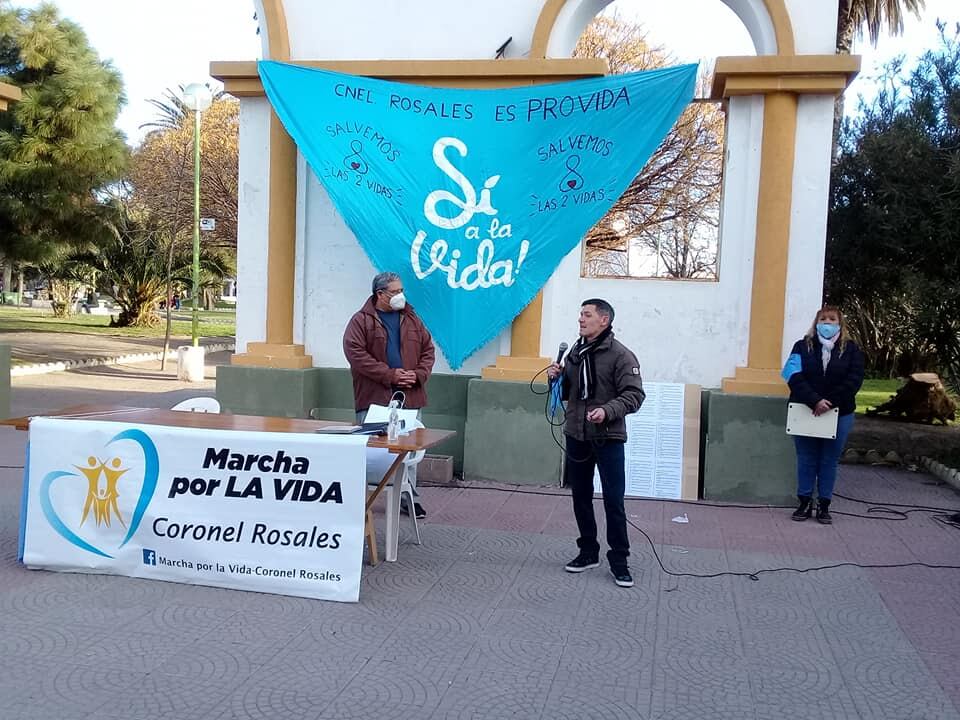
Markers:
point(327, 394)
point(748, 456)
point(508, 439)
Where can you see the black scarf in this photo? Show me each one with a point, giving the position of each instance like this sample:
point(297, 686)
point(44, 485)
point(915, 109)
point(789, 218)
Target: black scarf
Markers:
point(583, 351)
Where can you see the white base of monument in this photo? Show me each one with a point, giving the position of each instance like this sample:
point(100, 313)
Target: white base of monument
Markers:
point(190, 363)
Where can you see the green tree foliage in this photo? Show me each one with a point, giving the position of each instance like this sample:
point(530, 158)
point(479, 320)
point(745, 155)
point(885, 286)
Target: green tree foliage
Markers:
point(58, 145)
point(855, 16)
point(670, 212)
point(130, 263)
point(893, 251)
point(161, 170)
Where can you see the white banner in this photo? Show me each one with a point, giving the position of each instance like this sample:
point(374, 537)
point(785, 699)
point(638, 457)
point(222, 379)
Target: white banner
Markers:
point(270, 512)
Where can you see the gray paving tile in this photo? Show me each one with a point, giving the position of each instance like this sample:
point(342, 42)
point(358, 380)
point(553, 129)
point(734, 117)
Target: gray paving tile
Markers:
point(516, 653)
point(482, 621)
point(166, 696)
point(436, 620)
point(678, 697)
point(595, 703)
point(195, 619)
point(320, 675)
point(475, 693)
point(895, 686)
point(54, 687)
point(489, 546)
point(632, 673)
point(132, 650)
point(382, 684)
point(469, 583)
point(214, 661)
point(43, 641)
point(258, 702)
point(531, 623)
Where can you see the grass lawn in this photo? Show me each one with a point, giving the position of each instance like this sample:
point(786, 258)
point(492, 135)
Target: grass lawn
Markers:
point(39, 320)
point(875, 392)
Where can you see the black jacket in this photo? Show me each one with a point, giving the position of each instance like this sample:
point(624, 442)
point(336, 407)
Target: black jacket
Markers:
point(839, 384)
point(619, 392)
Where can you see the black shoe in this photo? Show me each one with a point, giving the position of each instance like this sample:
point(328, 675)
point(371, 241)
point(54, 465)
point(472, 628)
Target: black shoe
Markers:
point(417, 509)
point(823, 512)
point(582, 562)
point(804, 509)
point(622, 577)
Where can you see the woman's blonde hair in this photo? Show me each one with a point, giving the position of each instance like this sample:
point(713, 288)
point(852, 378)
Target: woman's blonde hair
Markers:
point(843, 335)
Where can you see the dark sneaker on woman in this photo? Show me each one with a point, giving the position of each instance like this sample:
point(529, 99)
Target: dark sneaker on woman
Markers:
point(622, 577)
point(582, 562)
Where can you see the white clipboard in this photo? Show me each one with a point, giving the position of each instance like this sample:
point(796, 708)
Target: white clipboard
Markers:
point(802, 421)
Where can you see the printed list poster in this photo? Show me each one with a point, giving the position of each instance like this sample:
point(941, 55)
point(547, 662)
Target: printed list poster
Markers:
point(653, 455)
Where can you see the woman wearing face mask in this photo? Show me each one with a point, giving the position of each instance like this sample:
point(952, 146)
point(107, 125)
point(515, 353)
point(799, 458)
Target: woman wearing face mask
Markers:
point(824, 371)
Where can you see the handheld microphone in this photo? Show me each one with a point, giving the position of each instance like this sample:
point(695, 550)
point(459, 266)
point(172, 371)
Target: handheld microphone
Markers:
point(561, 351)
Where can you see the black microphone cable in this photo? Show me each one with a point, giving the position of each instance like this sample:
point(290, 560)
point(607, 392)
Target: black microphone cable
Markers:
point(549, 418)
point(755, 574)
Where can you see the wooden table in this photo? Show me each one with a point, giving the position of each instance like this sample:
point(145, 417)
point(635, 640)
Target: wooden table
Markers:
point(413, 441)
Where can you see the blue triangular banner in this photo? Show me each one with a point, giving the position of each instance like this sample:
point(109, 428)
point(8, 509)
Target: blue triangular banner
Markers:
point(474, 196)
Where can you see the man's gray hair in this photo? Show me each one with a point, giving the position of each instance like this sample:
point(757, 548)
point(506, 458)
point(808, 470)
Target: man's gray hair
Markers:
point(381, 281)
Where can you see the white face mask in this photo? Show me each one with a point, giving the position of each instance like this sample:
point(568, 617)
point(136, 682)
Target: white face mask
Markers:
point(398, 301)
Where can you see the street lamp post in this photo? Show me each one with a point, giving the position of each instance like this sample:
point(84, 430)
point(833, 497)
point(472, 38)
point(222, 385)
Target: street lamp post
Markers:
point(190, 365)
point(196, 97)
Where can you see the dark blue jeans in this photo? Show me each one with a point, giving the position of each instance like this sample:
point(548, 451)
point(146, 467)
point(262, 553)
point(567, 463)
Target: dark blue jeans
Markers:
point(817, 460)
point(582, 458)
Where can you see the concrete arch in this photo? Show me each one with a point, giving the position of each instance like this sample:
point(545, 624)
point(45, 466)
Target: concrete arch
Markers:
point(562, 21)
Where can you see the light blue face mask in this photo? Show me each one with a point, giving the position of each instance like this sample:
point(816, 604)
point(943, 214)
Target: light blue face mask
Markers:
point(827, 330)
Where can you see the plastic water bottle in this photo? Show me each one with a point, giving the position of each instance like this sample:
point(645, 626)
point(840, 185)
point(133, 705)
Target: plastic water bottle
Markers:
point(393, 424)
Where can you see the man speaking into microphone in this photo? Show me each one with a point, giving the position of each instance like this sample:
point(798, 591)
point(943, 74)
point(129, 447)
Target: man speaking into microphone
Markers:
point(601, 383)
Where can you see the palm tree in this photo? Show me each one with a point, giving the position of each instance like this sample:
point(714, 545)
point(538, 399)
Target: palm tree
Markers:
point(172, 112)
point(132, 259)
point(855, 16)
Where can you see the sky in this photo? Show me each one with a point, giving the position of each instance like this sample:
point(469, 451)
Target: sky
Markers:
point(160, 49)
point(157, 46)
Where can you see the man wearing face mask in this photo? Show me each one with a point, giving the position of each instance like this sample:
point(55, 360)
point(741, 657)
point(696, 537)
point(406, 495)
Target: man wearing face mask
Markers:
point(389, 349)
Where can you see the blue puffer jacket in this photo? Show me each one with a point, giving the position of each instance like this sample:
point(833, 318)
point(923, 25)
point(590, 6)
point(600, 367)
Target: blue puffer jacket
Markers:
point(839, 384)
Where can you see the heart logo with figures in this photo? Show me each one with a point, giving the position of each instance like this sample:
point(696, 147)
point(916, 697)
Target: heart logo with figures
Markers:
point(102, 500)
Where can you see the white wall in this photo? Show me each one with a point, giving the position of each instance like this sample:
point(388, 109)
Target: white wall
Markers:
point(682, 331)
point(813, 36)
point(252, 221)
point(422, 29)
point(808, 222)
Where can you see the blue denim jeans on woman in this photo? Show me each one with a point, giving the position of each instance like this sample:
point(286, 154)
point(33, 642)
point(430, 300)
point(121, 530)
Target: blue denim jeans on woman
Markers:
point(817, 460)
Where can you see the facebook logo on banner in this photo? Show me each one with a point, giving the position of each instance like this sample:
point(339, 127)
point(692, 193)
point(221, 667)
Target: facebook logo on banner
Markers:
point(149, 557)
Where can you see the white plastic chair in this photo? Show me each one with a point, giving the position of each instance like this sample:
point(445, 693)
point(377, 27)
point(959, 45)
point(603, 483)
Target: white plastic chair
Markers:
point(378, 462)
point(198, 404)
